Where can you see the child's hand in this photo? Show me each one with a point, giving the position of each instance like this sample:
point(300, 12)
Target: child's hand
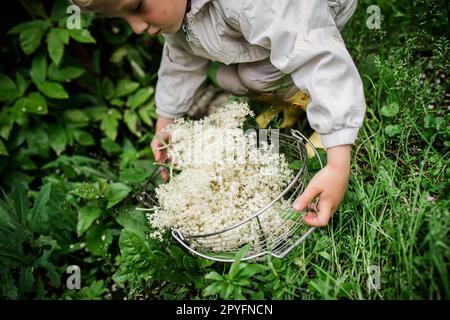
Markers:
point(159, 144)
point(329, 185)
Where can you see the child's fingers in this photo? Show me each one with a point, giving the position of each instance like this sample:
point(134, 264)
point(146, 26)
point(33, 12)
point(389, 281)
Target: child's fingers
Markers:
point(164, 174)
point(306, 197)
point(320, 218)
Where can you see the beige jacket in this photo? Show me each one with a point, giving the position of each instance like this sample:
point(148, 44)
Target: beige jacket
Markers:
point(300, 37)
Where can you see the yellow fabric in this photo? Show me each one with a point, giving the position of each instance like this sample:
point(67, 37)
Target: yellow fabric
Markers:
point(292, 110)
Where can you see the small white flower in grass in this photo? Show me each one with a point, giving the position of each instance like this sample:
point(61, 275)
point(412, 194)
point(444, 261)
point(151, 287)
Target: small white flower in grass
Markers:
point(224, 180)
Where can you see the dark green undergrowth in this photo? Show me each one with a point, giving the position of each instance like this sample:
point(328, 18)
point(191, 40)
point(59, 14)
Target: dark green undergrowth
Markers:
point(77, 115)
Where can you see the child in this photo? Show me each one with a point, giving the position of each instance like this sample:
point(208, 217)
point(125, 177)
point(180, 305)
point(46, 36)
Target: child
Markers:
point(278, 48)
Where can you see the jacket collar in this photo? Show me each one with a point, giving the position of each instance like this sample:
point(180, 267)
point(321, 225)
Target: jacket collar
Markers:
point(196, 5)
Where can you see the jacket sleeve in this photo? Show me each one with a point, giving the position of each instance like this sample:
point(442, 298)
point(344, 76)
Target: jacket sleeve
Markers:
point(179, 76)
point(305, 42)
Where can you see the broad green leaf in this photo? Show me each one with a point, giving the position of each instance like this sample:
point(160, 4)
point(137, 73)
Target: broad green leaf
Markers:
point(110, 123)
point(146, 112)
point(81, 35)
point(37, 104)
point(118, 55)
point(213, 288)
point(39, 68)
point(22, 83)
point(86, 216)
point(133, 219)
point(237, 265)
point(392, 130)
point(35, 24)
point(250, 270)
point(30, 39)
point(76, 116)
point(86, 190)
point(98, 240)
point(131, 120)
point(38, 141)
point(126, 87)
point(26, 280)
point(58, 139)
point(138, 98)
point(65, 74)
point(115, 193)
point(390, 110)
point(21, 203)
point(55, 45)
point(84, 138)
point(53, 90)
point(8, 89)
point(134, 247)
point(134, 175)
point(107, 88)
point(213, 275)
point(3, 151)
point(110, 146)
point(38, 215)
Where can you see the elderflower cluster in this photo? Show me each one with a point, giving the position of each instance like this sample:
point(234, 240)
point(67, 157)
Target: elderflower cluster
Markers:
point(225, 179)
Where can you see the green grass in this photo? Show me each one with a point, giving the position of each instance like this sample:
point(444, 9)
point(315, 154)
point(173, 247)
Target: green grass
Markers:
point(396, 211)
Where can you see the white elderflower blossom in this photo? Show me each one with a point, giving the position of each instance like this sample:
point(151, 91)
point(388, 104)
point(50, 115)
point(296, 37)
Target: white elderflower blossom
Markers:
point(224, 180)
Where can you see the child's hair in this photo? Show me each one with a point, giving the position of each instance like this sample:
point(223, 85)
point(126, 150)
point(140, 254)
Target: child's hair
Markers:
point(90, 5)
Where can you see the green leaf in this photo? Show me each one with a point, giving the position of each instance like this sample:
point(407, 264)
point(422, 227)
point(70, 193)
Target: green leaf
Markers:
point(86, 216)
point(213, 275)
point(53, 90)
point(133, 220)
point(107, 88)
point(38, 215)
point(146, 112)
point(138, 98)
point(125, 87)
point(98, 240)
point(237, 265)
point(58, 139)
point(22, 84)
point(213, 288)
point(110, 146)
point(3, 151)
point(131, 120)
point(81, 35)
point(26, 280)
point(30, 39)
point(250, 270)
point(65, 74)
point(37, 104)
point(55, 44)
point(76, 116)
point(392, 130)
point(21, 202)
point(38, 141)
point(115, 193)
point(134, 175)
point(84, 138)
point(110, 123)
point(35, 24)
point(58, 11)
point(8, 89)
point(86, 190)
point(390, 110)
point(39, 68)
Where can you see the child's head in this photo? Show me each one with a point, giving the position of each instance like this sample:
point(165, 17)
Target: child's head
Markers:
point(151, 16)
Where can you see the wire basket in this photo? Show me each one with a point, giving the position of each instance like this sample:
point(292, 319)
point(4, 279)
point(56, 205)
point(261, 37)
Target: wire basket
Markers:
point(265, 232)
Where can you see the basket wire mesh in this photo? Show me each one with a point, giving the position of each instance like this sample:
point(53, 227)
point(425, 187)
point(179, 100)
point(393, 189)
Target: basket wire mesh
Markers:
point(266, 233)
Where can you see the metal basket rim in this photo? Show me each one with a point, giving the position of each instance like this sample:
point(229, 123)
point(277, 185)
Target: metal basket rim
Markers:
point(294, 134)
